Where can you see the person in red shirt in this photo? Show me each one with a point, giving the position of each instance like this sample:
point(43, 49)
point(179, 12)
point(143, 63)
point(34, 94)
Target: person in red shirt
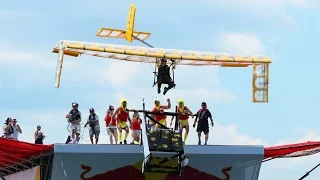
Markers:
point(162, 119)
point(122, 114)
point(183, 119)
point(136, 128)
point(111, 125)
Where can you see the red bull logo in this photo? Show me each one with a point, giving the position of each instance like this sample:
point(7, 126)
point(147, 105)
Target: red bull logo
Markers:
point(119, 173)
point(189, 173)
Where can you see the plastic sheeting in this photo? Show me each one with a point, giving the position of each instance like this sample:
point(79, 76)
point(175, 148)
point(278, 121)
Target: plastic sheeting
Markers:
point(17, 151)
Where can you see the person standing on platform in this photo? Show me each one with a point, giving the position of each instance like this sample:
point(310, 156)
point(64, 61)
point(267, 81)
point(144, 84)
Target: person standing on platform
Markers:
point(74, 118)
point(93, 121)
point(183, 119)
point(203, 126)
point(8, 129)
point(111, 125)
point(123, 116)
point(161, 118)
point(39, 136)
point(16, 129)
point(136, 128)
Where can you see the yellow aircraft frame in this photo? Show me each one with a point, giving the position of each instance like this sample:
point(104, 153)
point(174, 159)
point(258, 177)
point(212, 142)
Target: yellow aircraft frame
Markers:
point(260, 79)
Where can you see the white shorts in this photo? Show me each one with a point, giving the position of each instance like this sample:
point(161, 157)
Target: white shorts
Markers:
point(77, 127)
point(137, 132)
point(112, 130)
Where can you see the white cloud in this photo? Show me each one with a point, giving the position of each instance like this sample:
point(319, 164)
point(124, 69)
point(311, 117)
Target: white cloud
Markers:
point(240, 43)
point(120, 72)
point(276, 11)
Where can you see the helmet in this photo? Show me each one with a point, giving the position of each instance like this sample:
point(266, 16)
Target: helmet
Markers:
point(163, 60)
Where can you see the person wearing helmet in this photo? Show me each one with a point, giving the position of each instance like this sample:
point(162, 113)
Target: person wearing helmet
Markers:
point(164, 77)
point(93, 122)
point(162, 119)
point(183, 118)
point(123, 116)
point(74, 118)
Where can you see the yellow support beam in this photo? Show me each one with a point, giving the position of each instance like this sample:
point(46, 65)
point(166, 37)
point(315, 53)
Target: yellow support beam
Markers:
point(130, 23)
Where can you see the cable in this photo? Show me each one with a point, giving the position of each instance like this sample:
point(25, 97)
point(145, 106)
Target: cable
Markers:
point(308, 173)
point(81, 135)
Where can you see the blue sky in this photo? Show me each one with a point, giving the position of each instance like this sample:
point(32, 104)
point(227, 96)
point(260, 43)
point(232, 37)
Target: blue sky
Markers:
point(282, 29)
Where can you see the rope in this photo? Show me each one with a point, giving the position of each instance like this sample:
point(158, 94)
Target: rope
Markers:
point(82, 133)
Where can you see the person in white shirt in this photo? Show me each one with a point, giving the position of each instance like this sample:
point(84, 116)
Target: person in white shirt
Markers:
point(8, 129)
point(16, 129)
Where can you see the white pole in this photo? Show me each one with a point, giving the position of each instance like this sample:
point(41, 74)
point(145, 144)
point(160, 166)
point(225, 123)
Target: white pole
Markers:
point(59, 63)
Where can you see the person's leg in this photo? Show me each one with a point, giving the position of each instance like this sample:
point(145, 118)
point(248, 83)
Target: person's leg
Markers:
point(134, 136)
point(115, 135)
point(126, 134)
point(186, 133)
point(78, 132)
point(97, 135)
point(199, 134)
point(91, 135)
point(159, 83)
point(206, 132)
point(110, 135)
point(138, 132)
point(168, 80)
point(120, 133)
point(73, 132)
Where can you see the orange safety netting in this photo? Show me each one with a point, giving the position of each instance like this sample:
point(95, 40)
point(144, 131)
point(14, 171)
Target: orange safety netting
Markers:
point(292, 150)
point(12, 151)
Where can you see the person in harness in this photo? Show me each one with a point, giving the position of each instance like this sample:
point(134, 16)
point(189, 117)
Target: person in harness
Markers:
point(8, 129)
point(164, 77)
point(74, 118)
point(93, 121)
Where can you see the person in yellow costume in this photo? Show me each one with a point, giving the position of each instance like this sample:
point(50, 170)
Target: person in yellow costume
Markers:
point(122, 118)
point(183, 118)
point(162, 119)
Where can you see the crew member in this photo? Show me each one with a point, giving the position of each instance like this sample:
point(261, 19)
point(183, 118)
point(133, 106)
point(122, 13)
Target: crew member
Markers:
point(93, 121)
point(161, 118)
point(136, 128)
point(74, 118)
point(122, 118)
point(183, 119)
point(203, 114)
point(111, 125)
point(164, 77)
